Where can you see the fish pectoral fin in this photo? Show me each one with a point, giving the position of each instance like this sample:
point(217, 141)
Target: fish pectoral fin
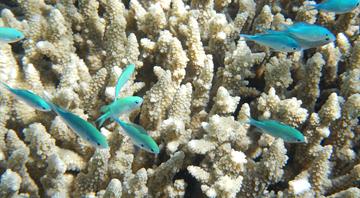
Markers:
point(103, 118)
point(104, 108)
point(136, 149)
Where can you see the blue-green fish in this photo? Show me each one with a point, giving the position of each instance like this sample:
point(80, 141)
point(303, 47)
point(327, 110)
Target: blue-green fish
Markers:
point(279, 130)
point(278, 42)
point(337, 6)
point(118, 107)
point(10, 35)
point(307, 35)
point(139, 136)
point(80, 126)
point(124, 77)
point(121, 105)
point(28, 97)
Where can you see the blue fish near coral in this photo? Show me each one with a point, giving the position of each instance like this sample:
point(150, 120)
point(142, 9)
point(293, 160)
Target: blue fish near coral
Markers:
point(279, 130)
point(337, 6)
point(120, 105)
point(80, 126)
point(124, 77)
point(277, 41)
point(10, 35)
point(139, 136)
point(307, 35)
point(28, 97)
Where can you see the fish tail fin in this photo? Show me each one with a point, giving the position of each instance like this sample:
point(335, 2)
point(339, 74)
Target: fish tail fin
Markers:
point(6, 86)
point(251, 121)
point(103, 118)
point(247, 37)
point(246, 120)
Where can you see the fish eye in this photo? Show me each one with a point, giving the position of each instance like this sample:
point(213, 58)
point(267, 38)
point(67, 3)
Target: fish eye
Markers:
point(152, 150)
point(327, 39)
point(142, 145)
point(136, 102)
point(98, 144)
point(294, 48)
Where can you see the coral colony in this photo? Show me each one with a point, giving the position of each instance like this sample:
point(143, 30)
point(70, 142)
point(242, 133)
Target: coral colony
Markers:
point(179, 98)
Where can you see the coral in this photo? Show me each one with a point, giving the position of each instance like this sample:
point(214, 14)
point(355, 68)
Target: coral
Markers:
point(114, 189)
point(56, 181)
point(200, 84)
point(10, 184)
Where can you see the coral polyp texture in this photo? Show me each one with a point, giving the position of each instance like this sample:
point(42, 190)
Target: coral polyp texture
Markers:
point(200, 84)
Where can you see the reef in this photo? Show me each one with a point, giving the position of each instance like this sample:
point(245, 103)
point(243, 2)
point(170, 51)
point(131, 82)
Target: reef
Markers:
point(200, 84)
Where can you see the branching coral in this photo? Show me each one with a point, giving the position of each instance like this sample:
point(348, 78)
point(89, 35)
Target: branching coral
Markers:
point(200, 85)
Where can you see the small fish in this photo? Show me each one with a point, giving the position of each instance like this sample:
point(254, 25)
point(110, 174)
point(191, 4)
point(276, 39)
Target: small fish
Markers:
point(80, 126)
point(10, 35)
point(124, 77)
point(139, 136)
point(118, 107)
point(28, 97)
point(279, 130)
point(307, 35)
point(337, 6)
point(278, 42)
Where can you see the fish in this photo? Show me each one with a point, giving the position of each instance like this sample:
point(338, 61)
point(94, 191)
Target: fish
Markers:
point(118, 107)
point(336, 6)
point(139, 136)
point(80, 126)
point(10, 35)
point(307, 35)
point(124, 77)
point(279, 41)
point(278, 130)
point(28, 97)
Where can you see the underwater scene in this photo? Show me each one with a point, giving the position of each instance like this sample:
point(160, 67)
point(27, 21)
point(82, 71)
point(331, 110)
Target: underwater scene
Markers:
point(179, 98)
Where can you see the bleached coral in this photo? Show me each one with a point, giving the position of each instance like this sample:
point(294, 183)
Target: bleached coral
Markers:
point(200, 85)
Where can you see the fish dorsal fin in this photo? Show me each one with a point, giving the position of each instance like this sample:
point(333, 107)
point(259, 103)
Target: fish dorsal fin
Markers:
point(28, 91)
point(272, 32)
point(283, 27)
point(54, 107)
point(277, 122)
point(123, 78)
point(140, 129)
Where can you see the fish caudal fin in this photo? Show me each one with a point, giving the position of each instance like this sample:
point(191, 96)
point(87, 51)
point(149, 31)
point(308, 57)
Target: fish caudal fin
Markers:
point(103, 118)
point(252, 121)
point(247, 37)
point(6, 86)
